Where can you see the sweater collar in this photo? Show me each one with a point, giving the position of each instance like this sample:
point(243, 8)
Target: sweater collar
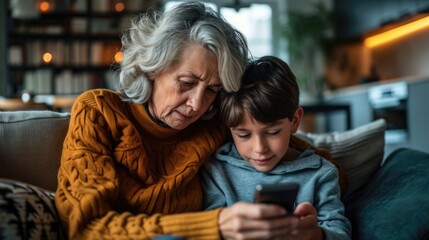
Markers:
point(154, 119)
point(149, 124)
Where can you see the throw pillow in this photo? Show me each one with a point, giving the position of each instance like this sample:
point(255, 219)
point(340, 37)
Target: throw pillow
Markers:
point(359, 151)
point(27, 212)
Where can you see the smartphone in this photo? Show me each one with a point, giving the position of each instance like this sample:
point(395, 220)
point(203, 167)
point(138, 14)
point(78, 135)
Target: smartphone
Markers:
point(283, 194)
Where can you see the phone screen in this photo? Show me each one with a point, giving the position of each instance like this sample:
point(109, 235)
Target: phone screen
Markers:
point(283, 194)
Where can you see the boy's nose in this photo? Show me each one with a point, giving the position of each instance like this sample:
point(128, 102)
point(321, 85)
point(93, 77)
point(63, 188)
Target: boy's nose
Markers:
point(260, 145)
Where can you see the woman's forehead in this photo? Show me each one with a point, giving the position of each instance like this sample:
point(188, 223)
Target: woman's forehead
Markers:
point(198, 62)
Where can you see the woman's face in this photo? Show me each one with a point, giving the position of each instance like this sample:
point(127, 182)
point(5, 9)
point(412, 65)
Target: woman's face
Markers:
point(184, 91)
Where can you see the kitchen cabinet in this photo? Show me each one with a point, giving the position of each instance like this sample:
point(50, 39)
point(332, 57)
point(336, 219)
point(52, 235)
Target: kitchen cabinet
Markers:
point(354, 18)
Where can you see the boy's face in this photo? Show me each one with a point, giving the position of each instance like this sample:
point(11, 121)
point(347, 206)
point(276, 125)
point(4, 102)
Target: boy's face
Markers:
point(264, 145)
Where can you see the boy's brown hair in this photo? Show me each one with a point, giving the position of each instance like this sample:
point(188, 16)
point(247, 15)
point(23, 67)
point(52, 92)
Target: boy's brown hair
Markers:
point(268, 92)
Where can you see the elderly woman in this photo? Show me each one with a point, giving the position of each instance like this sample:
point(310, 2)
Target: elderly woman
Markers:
point(131, 158)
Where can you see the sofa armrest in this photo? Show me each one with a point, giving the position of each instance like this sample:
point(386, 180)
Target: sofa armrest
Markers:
point(394, 204)
point(30, 146)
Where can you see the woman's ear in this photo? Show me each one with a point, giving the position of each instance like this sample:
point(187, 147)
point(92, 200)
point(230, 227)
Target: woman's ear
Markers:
point(151, 75)
point(297, 119)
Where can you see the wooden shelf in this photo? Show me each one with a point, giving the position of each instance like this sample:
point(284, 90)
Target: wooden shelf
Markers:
point(68, 37)
point(108, 15)
point(16, 104)
point(47, 102)
point(75, 68)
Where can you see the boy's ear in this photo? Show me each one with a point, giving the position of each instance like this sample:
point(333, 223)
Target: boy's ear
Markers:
point(297, 119)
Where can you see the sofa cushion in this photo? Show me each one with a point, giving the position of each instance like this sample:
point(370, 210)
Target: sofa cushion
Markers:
point(359, 151)
point(395, 203)
point(31, 145)
point(27, 212)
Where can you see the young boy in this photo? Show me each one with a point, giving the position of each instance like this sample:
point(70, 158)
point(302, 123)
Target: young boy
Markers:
point(263, 116)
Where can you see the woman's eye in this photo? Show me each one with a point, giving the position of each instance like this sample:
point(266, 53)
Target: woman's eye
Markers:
point(186, 84)
point(213, 90)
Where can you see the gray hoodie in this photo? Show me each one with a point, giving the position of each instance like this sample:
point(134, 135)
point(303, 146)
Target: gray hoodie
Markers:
point(227, 178)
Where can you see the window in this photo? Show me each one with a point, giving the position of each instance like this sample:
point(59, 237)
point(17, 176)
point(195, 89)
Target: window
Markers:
point(255, 22)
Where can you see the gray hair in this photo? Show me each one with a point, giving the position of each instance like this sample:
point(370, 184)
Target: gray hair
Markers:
point(155, 40)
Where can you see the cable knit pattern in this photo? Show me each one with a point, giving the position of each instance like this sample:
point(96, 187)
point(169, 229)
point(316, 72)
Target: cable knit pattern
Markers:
point(124, 176)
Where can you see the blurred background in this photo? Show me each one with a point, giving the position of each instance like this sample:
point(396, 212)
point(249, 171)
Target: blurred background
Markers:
point(355, 60)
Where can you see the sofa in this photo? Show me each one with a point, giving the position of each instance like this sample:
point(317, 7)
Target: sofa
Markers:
point(386, 196)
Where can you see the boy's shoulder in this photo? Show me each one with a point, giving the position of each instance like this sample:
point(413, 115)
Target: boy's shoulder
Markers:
point(328, 164)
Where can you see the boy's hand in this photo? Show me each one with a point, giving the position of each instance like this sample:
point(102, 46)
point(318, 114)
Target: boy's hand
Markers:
point(307, 227)
point(255, 221)
point(265, 221)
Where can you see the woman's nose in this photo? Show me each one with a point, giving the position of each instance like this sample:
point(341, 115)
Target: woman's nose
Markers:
point(195, 100)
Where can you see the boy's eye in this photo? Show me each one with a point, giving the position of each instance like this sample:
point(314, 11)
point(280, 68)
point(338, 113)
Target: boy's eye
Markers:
point(243, 135)
point(273, 132)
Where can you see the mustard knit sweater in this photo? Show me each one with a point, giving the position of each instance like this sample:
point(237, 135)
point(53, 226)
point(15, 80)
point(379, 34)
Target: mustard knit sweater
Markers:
point(122, 176)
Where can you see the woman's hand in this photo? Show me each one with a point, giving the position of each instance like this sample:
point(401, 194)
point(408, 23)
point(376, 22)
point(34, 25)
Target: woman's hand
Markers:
point(264, 221)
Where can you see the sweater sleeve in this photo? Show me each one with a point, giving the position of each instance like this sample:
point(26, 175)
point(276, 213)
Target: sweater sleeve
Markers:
point(88, 189)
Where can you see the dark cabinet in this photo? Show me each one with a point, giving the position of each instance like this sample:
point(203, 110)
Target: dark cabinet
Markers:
point(354, 18)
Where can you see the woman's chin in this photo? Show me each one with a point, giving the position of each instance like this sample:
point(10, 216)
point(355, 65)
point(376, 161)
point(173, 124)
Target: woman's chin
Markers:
point(178, 124)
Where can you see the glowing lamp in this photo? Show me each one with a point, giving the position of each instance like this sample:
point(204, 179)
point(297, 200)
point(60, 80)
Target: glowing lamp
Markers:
point(403, 29)
point(44, 6)
point(119, 7)
point(118, 57)
point(47, 57)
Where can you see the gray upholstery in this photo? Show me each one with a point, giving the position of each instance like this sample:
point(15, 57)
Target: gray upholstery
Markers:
point(30, 146)
point(30, 151)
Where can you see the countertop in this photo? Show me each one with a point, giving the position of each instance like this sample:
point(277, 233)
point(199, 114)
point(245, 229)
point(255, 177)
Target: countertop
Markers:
point(364, 87)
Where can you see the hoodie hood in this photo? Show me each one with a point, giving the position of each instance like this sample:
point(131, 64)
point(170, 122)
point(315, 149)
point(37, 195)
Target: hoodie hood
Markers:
point(307, 159)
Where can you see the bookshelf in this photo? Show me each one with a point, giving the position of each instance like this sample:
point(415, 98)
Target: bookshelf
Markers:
point(64, 47)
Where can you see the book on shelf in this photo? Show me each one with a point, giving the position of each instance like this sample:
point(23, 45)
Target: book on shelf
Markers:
point(80, 6)
point(79, 25)
point(16, 55)
point(96, 56)
point(72, 83)
point(101, 6)
point(33, 53)
point(38, 81)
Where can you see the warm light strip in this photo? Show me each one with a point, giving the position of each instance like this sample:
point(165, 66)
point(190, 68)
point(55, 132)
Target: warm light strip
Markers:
point(397, 32)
